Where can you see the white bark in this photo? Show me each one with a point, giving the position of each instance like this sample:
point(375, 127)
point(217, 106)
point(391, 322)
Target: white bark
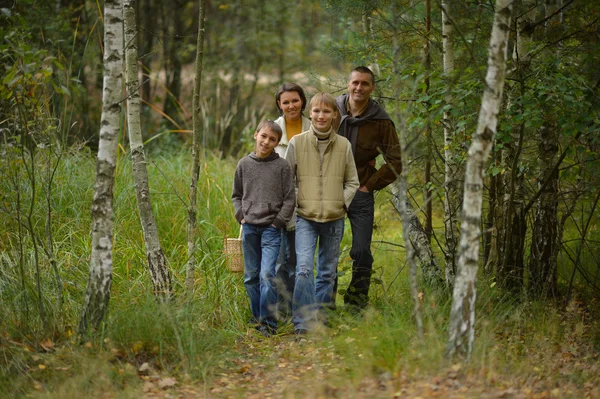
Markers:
point(161, 278)
point(451, 188)
point(462, 314)
point(197, 124)
point(400, 188)
point(97, 294)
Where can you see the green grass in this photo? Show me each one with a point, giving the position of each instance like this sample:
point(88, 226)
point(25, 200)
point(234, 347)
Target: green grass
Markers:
point(195, 337)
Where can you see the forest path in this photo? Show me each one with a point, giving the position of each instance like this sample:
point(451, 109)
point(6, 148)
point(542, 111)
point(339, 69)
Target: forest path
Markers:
point(288, 366)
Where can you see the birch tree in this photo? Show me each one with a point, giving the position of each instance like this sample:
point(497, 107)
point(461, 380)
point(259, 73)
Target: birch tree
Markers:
point(451, 188)
point(191, 232)
point(97, 294)
point(462, 314)
point(161, 278)
point(415, 238)
point(514, 226)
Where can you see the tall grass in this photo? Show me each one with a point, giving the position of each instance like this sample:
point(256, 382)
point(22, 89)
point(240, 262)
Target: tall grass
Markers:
point(196, 335)
point(181, 335)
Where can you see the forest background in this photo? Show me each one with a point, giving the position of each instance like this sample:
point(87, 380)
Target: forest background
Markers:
point(537, 329)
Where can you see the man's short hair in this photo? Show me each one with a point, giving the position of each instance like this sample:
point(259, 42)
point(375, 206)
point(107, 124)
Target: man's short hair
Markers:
point(364, 69)
point(267, 123)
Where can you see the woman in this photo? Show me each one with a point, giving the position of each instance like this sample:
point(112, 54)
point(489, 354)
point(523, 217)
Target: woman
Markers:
point(291, 101)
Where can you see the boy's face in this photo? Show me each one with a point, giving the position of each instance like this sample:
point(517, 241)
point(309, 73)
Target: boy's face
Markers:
point(266, 140)
point(321, 116)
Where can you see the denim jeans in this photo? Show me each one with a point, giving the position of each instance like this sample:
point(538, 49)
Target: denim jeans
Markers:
point(361, 214)
point(286, 273)
point(260, 245)
point(310, 296)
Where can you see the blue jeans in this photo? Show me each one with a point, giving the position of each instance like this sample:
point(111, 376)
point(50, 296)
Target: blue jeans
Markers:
point(260, 245)
point(286, 273)
point(361, 214)
point(309, 295)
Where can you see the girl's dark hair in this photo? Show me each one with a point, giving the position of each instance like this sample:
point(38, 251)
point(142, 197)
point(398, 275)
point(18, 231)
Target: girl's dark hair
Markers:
point(290, 87)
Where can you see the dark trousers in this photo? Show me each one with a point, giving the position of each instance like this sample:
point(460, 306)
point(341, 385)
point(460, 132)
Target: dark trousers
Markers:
point(286, 273)
point(361, 215)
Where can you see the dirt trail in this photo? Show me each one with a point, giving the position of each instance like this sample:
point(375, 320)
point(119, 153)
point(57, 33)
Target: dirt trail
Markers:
point(286, 366)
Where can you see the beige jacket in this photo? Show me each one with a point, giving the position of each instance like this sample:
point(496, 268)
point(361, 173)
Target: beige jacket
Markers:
point(324, 188)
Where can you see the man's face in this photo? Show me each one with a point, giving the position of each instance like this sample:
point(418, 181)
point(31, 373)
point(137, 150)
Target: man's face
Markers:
point(360, 86)
point(266, 140)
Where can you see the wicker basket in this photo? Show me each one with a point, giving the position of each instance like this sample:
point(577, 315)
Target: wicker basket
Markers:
point(234, 257)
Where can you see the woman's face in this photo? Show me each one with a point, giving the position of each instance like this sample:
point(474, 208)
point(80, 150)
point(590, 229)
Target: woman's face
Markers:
point(291, 105)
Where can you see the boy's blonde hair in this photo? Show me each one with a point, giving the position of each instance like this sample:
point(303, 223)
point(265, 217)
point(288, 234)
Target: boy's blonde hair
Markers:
point(323, 98)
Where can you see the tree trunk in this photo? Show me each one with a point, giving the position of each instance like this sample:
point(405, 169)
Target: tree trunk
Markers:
point(451, 188)
point(197, 124)
point(462, 315)
point(172, 107)
point(400, 187)
point(161, 278)
point(97, 294)
point(544, 241)
point(428, 182)
point(413, 231)
point(511, 272)
point(145, 43)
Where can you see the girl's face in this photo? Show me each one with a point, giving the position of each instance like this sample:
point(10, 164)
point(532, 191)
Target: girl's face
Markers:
point(291, 105)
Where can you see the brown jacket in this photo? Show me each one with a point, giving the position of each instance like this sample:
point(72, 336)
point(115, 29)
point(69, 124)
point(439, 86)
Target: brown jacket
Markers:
point(371, 134)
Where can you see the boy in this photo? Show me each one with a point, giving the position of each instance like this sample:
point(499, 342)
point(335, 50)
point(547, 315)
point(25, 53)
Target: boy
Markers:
point(326, 181)
point(264, 199)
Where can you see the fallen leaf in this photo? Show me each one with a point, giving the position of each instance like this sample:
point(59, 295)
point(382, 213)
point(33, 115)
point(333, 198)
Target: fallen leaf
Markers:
point(144, 368)
point(47, 344)
point(148, 386)
point(42, 366)
point(167, 382)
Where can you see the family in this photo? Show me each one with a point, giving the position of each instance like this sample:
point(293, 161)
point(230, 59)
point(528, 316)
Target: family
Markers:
point(293, 192)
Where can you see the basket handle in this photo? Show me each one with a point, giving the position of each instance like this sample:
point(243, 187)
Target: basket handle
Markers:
point(240, 235)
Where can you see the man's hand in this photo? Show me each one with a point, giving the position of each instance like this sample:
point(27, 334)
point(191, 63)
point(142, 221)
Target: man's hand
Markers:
point(363, 189)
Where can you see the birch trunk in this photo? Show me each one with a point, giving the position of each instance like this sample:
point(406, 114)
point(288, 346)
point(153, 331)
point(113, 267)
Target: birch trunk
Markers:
point(197, 124)
point(511, 272)
point(161, 278)
point(97, 294)
point(427, 61)
point(400, 186)
point(451, 188)
point(462, 314)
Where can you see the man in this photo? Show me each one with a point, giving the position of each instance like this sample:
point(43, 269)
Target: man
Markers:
point(371, 132)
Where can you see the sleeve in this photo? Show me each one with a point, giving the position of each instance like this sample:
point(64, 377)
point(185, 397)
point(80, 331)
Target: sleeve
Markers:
point(391, 150)
point(238, 193)
point(289, 197)
point(351, 182)
point(290, 157)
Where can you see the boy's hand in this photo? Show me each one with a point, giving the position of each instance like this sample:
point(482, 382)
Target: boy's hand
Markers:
point(243, 221)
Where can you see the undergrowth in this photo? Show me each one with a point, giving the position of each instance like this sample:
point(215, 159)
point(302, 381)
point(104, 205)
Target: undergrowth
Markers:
point(195, 336)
